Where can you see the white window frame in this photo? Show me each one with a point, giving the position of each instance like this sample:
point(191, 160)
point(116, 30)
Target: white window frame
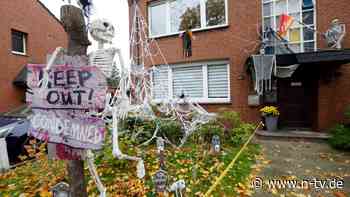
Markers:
point(24, 39)
point(205, 99)
point(168, 20)
point(275, 23)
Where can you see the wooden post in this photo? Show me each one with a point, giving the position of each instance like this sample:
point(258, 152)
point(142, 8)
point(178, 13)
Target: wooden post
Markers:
point(74, 24)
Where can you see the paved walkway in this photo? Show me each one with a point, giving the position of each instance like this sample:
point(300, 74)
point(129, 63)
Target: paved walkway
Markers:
point(299, 160)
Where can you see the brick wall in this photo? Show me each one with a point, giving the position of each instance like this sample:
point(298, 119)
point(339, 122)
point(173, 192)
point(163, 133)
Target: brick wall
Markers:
point(334, 96)
point(239, 40)
point(234, 43)
point(45, 33)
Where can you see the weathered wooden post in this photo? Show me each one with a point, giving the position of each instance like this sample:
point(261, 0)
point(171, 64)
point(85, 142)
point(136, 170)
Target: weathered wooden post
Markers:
point(74, 24)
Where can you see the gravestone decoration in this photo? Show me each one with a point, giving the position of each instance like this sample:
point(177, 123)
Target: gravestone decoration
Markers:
point(61, 190)
point(215, 143)
point(160, 180)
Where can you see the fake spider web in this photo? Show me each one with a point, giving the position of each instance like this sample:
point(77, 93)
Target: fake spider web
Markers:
point(137, 88)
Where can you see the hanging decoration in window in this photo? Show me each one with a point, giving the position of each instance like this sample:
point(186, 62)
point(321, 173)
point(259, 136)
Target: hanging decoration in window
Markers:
point(187, 37)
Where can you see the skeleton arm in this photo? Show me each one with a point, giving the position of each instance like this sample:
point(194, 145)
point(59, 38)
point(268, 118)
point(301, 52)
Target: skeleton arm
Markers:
point(45, 80)
point(94, 174)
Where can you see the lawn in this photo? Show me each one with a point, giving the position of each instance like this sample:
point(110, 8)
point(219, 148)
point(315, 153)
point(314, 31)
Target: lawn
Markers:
point(194, 163)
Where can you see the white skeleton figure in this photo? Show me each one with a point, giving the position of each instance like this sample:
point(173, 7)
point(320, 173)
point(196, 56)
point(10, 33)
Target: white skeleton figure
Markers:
point(94, 174)
point(103, 32)
point(177, 187)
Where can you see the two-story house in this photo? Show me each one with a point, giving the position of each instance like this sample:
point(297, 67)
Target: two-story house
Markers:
point(29, 31)
point(226, 33)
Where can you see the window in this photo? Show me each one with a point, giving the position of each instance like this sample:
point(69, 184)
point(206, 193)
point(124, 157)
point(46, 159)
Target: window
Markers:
point(201, 82)
point(19, 40)
point(301, 37)
point(173, 16)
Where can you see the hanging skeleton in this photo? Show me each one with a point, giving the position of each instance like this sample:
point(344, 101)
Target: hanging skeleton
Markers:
point(264, 65)
point(187, 37)
point(335, 34)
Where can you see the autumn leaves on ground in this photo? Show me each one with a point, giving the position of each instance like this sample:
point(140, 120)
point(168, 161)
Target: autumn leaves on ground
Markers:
point(195, 163)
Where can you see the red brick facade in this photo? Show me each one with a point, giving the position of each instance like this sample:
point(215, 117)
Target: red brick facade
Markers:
point(44, 34)
point(240, 39)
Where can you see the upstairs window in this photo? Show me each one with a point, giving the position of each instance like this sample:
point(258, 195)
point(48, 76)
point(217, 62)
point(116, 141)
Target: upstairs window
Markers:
point(301, 36)
point(173, 16)
point(19, 42)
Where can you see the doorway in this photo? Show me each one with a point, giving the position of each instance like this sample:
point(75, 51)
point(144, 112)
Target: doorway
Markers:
point(297, 101)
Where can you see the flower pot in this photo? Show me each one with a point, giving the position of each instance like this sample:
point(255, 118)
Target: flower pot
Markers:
point(271, 123)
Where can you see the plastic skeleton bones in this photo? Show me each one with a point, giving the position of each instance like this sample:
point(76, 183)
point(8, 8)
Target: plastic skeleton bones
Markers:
point(103, 32)
point(177, 187)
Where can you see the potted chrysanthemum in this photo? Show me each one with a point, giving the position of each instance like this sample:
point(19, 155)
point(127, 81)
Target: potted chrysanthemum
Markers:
point(270, 114)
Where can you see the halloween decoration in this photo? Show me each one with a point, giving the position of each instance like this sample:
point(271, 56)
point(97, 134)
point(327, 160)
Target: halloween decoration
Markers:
point(103, 32)
point(177, 188)
point(61, 190)
point(160, 181)
point(215, 143)
point(264, 65)
point(86, 6)
point(94, 174)
point(335, 34)
point(160, 144)
point(187, 37)
point(286, 71)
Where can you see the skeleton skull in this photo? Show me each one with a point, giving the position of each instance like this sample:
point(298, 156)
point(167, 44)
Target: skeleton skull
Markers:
point(102, 31)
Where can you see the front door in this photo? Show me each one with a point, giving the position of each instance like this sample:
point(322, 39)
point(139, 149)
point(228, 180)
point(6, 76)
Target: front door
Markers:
point(296, 100)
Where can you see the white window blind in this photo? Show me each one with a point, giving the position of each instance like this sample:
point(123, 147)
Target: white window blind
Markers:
point(218, 81)
point(188, 81)
point(160, 82)
point(204, 82)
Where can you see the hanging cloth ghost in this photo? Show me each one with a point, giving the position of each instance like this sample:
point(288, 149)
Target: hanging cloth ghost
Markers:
point(286, 71)
point(263, 66)
point(187, 37)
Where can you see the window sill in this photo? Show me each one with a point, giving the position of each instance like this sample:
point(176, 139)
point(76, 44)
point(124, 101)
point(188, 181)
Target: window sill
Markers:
point(202, 101)
point(19, 53)
point(194, 30)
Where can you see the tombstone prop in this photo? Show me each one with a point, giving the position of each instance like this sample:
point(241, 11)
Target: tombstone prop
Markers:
point(215, 143)
point(160, 180)
point(61, 190)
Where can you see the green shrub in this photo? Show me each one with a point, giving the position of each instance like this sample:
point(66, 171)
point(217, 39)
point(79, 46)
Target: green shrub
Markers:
point(208, 130)
point(229, 119)
point(347, 112)
point(341, 137)
point(170, 129)
point(240, 134)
